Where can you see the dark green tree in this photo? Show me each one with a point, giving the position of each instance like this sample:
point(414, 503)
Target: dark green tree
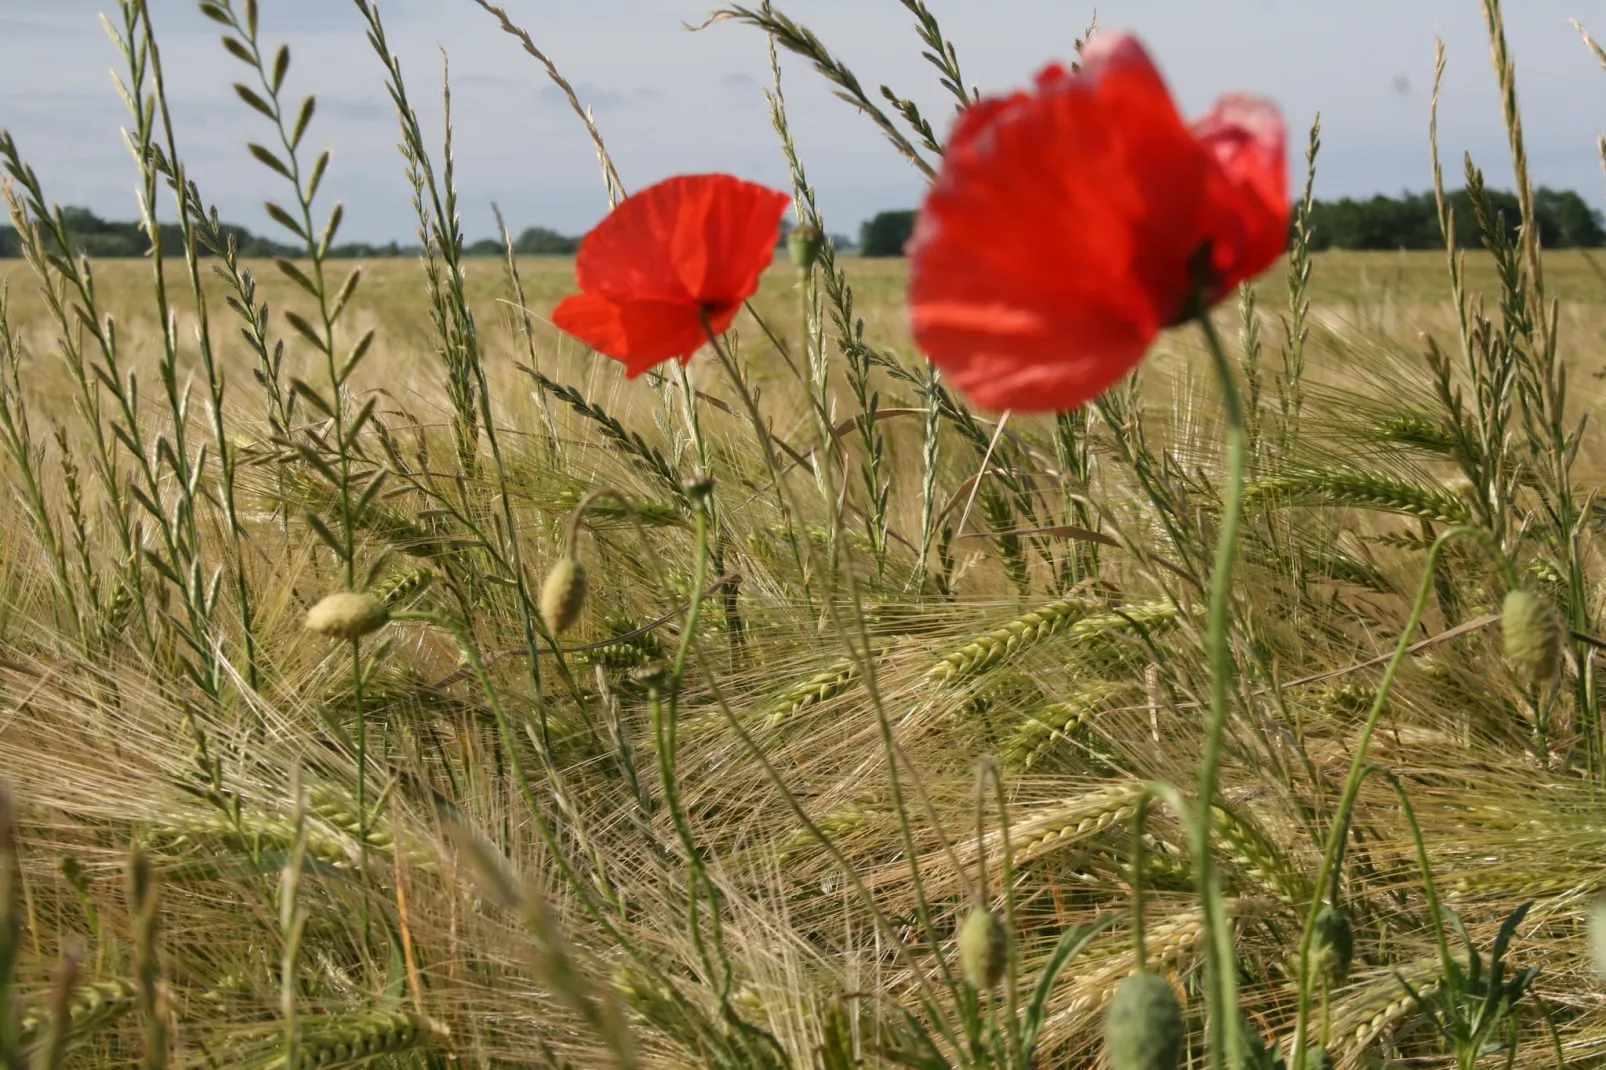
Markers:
point(886, 233)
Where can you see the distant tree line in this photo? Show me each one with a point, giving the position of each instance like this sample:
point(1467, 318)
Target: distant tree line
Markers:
point(1409, 221)
point(90, 235)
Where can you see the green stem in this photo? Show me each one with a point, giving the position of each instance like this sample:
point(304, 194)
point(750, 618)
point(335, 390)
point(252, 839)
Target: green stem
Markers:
point(665, 726)
point(543, 827)
point(1339, 830)
point(1140, 950)
point(362, 771)
point(1221, 978)
point(1011, 916)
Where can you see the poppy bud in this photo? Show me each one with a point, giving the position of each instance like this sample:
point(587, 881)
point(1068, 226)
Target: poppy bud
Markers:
point(1143, 1029)
point(1532, 634)
point(1256, 1054)
point(1317, 1057)
point(983, 949)
point(653, 675)
point(1597, 936)
point(1333, 948)
point(347, 615)
point(803, 243)
point(698, 488)
point(563, 595)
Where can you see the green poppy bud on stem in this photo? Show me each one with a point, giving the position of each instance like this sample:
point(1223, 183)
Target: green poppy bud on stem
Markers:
point(698, 488)
point(803, 243)
point(1334, 947)
point(563, 595)
point(983, 949)
point(1532, 634)
point(1597, 936)
point(347, 615)
point(1317, 1057)
point(1143, 1029)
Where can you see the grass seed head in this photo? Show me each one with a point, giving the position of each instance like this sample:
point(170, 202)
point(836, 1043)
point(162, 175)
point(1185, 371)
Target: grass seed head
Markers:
point(1532, 634)
point(563, 595)
point(983, 949)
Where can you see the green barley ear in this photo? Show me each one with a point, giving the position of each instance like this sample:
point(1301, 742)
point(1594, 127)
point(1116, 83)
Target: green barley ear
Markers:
point(1532, 635)
point(347, 615)
point(1334, 947)
point(983, 949)
point(1143, 1029)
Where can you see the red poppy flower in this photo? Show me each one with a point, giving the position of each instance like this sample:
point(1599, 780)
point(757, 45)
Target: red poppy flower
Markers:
point(1069, 224)
point(688, 247)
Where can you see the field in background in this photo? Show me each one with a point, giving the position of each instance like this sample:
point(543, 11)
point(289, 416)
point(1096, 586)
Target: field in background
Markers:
point(1392, 296)
point(727, 805)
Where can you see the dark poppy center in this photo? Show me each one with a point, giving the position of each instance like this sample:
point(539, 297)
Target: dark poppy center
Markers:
point(1202, 284)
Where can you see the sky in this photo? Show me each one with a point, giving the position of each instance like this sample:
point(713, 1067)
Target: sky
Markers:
point(670, 101)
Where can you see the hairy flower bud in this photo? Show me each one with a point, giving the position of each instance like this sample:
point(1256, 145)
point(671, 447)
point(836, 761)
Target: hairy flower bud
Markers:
point(803, 243)
point(563, 595)
point(983, 949)
point(1334, 946)
point(1532, 634)
point(1143, 1029)
point(1317, 1057)
point(347, 615)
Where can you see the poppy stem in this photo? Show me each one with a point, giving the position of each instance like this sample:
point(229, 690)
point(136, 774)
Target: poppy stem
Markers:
point(1221, 975)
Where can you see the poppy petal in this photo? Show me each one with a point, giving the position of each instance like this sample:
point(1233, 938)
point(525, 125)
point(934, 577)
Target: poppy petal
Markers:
point(1009, 358)
point(1029, 208)
point(1247, 142)
point(726, 248)
point(694, 239)
point(1055, 241)
point(639, 333)
point(1164, 161)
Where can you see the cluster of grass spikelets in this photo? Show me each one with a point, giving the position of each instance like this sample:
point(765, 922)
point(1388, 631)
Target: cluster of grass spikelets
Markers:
point(730, 818)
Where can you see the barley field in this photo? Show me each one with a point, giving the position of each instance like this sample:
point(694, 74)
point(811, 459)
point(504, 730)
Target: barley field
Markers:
point(790, 715)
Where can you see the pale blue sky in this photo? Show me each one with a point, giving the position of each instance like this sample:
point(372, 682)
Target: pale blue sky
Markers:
point(671, 101)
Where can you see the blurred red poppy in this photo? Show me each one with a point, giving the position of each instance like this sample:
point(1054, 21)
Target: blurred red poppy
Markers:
point(689, 247)
point(1069, 224)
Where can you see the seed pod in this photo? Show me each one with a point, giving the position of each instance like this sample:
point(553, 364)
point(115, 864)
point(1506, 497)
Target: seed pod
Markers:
point(1533, 634)
point(1333, 948)
point(1143, 1029)
point(983, 949)
point(347, 615)
point(803, 244)
point(563, 595)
